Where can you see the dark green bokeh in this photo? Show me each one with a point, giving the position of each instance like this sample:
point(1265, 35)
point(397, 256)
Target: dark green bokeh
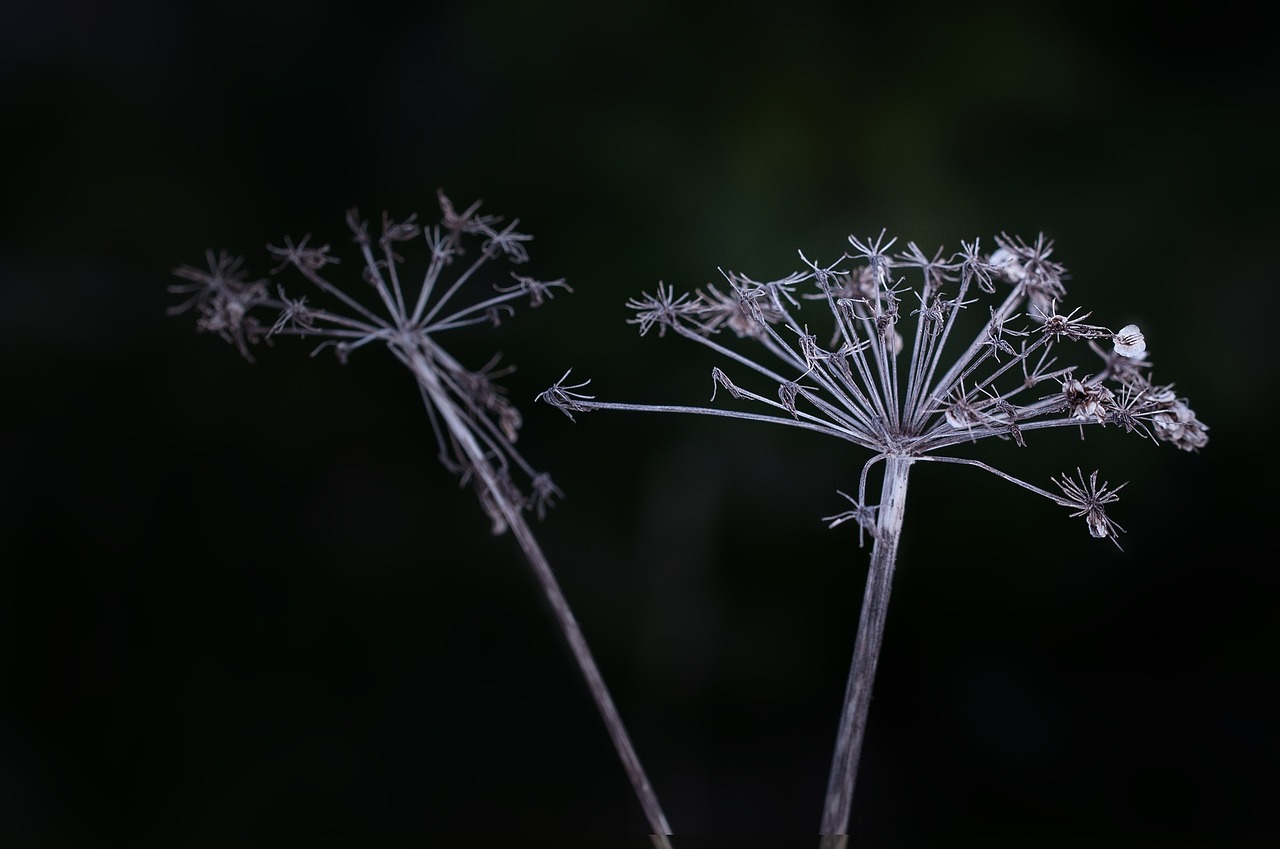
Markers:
point(246, 600)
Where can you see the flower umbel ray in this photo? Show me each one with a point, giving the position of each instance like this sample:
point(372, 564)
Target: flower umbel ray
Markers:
point(474, 425)
point(896, 362)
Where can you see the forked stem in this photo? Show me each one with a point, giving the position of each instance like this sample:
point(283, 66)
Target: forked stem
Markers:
point(866, 652)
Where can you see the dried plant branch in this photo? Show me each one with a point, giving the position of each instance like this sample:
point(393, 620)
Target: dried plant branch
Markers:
point(475, 427)
point(907, 398)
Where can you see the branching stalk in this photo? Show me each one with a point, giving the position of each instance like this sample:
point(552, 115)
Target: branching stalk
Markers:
point(475, 427)
point(874, 390)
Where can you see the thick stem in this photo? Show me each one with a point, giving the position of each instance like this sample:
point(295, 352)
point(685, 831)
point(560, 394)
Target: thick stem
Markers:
point(866, 651)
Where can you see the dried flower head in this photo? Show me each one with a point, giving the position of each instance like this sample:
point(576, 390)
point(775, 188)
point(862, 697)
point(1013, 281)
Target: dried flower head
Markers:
point(1090, 499)
point(909, 394)
point(870, 387)
point(475, 426)
point(474, 423)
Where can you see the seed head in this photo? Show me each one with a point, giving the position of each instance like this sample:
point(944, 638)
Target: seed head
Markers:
point(1129, 341)
point(1089, 499)
point(474, 424)
point(910, 385)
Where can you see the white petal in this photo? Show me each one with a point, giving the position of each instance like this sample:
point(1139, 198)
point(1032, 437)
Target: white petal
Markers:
point(1130, 342)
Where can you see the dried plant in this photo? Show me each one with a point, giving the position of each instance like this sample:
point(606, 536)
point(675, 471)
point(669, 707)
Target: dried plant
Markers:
point(475, 426)
point(905, 400)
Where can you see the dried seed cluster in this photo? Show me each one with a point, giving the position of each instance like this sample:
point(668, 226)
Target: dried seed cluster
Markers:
point(897, 373)
point(474, 423)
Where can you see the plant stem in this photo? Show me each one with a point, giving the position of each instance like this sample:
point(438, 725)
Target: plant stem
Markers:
point(595, 683)
point(564, 617)
point(866, 651)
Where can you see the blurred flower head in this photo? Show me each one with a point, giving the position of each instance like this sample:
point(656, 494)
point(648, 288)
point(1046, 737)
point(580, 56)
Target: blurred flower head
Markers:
point(474, 424)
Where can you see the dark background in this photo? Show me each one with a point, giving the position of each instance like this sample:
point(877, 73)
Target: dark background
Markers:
point(240, 602)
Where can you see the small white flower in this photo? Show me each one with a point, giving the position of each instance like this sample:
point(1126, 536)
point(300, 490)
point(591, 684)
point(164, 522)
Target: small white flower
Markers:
point(1006, 263)
point(1130, 342)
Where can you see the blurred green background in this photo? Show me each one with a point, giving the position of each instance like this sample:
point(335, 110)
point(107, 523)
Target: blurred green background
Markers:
point(242, 602)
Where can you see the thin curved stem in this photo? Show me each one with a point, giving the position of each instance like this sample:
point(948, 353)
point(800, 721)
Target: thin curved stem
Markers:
point(559, 607)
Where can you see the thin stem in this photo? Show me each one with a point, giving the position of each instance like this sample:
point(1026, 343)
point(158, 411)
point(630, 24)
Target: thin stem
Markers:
point(595, 682)
point(559, 605)
point(803, 420)
point(866, 652)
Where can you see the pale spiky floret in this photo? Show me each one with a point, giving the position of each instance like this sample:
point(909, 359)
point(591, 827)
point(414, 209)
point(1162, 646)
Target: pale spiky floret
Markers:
point(904, 371)
point(1089, 498)
point(475, 425)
